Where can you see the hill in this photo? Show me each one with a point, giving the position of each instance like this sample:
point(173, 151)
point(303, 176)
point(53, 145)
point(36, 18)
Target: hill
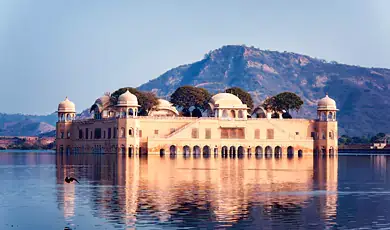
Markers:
point(362, 94)
point(26, 125)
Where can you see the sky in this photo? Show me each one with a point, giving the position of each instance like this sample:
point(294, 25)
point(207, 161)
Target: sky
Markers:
point(81, 49)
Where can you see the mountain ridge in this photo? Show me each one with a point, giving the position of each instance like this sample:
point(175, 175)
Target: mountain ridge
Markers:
point(265, 73)
point(361, 93)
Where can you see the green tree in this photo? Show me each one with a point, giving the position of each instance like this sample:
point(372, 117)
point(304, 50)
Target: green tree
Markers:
point(344, 139)
point(187, 96)
point(378, 137)
point(283, 101)
point(147, 100)
point(244, 96)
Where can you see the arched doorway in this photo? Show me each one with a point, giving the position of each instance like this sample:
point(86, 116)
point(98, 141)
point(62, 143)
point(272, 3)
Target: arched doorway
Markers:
point(162, 152)
point(258, 150)
point(232, 151)
point(323, 150)
point(300, 153)
point(196, 150)
point(331, 151)
point(240, 151)
point(186, 150)
point(224, 151)
point(232, 114)
point(215, 151)
point(206, 150)
point(290, 151)
point(278, 151)
point(172, 150)
point(268, 151)
point(130, 150)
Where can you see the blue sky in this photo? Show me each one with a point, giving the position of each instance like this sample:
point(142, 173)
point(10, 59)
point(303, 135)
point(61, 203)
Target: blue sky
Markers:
point(81, 49)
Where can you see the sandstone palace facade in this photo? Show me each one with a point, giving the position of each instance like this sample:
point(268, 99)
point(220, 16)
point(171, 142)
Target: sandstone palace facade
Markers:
point(227, 130)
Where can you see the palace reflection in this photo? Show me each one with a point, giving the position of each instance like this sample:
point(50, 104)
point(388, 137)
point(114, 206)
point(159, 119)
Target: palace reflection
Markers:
point(202, 191)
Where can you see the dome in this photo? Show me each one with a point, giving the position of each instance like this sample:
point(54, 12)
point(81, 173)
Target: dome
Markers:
point(127, 99)
point(326, 103)
point(103, 100)
point(66, 106)
point(225, 100)
point(163, 103)
point(166, 105)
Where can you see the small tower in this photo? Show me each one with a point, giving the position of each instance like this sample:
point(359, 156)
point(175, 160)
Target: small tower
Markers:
point(326, 138)
point(66, 114)
point(128, 108)
point(128, 105)
point(66, 111)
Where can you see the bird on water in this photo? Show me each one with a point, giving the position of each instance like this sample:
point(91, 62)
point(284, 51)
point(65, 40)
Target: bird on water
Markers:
point(71, 179)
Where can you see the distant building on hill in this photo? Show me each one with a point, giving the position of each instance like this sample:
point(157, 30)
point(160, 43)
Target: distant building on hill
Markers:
point(380, 144)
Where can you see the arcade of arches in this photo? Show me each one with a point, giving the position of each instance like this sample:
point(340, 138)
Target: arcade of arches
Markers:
point(232, 150)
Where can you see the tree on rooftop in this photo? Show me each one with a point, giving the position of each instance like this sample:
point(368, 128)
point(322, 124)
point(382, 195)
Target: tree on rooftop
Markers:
point(147, 100)
point(283, 101)
point(244, 96)
point(185, 97)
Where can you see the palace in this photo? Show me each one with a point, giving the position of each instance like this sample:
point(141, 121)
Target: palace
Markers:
point(229, 129)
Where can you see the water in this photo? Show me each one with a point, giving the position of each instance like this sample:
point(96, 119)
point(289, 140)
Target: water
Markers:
point(117, 192)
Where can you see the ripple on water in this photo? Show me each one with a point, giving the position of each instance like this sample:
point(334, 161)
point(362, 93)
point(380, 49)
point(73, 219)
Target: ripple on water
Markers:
point(116, 192)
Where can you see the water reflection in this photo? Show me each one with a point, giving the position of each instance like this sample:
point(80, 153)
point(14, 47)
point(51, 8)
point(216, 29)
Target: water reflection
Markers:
point(202, 192)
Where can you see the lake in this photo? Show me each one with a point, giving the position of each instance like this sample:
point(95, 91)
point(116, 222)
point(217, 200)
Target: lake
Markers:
point(119, 192)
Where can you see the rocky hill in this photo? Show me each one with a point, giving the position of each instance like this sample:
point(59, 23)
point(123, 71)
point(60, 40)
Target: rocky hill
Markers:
point(32, 125)
point(26, 125)
point(362, 94)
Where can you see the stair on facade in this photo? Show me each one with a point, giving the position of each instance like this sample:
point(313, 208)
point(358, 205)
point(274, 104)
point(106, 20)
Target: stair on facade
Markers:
point(181, 128)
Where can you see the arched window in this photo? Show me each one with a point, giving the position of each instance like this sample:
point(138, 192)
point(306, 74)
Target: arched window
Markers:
point(323, 116)
point(331, 136)
point(323, 135)
point(232, 114)
point(131, 132)
point(224, 113)
point(68, 117)
point(122, 134)
point(131, 112)
point(240, 114)
point(330, 116)
point(331, 151)
point(80, 134)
